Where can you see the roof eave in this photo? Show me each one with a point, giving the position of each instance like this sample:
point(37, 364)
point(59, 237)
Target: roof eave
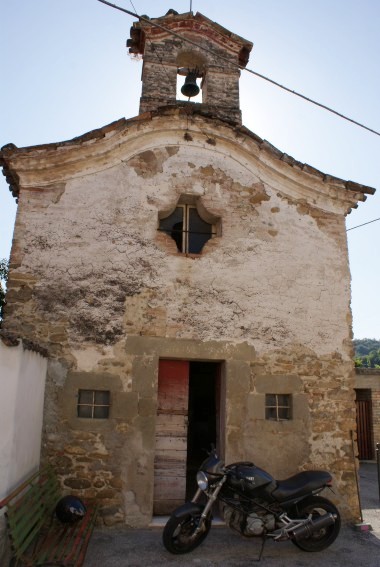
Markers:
point(9, 151)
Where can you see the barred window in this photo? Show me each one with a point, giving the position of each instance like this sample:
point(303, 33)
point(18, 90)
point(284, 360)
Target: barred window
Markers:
point(188, 230)
point(93, 404)
point(278, 407)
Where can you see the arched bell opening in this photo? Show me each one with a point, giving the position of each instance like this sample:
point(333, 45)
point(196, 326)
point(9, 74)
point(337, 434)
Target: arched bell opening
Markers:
point(191, 71)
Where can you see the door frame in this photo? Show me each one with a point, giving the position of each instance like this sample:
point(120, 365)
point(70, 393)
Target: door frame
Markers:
point(171, 461)
point(145, 352)
point(364, 424)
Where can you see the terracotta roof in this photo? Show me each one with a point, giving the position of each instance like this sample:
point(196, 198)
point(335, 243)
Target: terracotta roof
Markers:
point(178, 23)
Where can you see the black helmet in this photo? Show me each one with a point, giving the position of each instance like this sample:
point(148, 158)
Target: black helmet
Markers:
point(70, 509)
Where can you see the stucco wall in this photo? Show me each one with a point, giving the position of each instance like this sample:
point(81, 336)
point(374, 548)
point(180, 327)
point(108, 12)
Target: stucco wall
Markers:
point(91, 276)
point(22, 378)
point(85, 247)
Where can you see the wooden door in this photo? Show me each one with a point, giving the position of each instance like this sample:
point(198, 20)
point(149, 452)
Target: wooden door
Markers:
point(364, 429)
point(171, 436)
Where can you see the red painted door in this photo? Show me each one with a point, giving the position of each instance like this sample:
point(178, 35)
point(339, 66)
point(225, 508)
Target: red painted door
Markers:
point(171, 436)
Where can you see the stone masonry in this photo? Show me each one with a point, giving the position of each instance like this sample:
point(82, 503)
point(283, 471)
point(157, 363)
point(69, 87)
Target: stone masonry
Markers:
point(215, 52)
point(107, 295)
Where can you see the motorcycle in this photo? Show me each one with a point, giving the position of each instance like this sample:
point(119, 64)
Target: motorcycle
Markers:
point(254, 504)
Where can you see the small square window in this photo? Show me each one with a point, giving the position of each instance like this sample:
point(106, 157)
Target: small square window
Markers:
point(278, 407)
point(93, 404)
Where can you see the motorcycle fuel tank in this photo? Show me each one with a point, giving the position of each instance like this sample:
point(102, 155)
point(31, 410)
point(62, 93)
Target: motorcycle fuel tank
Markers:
point(249, 478)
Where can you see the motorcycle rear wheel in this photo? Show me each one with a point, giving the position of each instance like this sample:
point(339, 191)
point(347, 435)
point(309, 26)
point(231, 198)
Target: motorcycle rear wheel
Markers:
point(177, 534)
point(319, 540)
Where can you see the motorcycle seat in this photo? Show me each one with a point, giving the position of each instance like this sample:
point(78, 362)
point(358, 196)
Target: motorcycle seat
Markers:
point(300, 484)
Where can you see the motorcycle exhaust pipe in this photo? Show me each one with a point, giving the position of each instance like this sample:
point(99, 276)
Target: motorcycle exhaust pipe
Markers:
point(307, 529)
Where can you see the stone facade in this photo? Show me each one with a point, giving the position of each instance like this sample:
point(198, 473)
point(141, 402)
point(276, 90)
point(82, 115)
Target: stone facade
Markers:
point(94, 282)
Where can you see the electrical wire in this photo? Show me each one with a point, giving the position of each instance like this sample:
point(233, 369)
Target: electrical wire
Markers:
point(254, 73)
point(169, 78)
point(364, 223)
point(283, 87)
point(132, 4)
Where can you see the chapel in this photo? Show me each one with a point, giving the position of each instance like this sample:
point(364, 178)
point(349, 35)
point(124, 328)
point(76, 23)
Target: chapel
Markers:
point(190, 285)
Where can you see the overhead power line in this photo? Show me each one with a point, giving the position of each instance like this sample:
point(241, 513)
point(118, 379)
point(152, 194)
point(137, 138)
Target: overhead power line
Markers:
point(187, 40)
point(364, 223)
point(133, 6)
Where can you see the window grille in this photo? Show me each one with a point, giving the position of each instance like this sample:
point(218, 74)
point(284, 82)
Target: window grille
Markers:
point(278, 407)
point(189, 231)
point(93, 404)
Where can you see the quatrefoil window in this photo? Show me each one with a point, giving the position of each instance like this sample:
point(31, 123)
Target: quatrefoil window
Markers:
point(187, 228)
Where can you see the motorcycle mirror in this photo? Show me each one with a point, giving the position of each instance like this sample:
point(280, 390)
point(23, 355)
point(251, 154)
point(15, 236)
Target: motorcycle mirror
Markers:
point(212, 450)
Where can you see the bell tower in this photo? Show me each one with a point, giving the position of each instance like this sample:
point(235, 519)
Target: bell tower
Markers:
point(208, 56)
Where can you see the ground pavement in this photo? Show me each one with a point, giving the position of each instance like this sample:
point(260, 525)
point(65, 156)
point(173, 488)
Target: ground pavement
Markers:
point(123, 547)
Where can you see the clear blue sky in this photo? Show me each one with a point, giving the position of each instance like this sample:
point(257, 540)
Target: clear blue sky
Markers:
point(66, 71)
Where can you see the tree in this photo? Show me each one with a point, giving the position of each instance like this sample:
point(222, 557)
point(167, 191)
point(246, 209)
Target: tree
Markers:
point(367, 353)
point(4, 268)
point(365, 346)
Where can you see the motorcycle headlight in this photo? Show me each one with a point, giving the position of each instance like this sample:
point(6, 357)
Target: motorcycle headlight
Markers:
point(202, 480)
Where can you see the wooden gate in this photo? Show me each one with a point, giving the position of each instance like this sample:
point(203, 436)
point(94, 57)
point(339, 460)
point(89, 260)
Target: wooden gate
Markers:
point(171, 436)
point(364, 429)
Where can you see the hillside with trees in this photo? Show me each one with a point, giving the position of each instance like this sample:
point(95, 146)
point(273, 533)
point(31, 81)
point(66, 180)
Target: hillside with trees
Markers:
point(367, 353)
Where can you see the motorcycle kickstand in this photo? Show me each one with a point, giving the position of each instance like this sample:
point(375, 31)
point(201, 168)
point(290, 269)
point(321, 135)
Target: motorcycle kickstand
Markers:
point(263, 541)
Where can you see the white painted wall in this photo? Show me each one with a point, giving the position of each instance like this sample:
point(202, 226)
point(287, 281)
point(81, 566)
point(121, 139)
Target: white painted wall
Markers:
point(22, 386)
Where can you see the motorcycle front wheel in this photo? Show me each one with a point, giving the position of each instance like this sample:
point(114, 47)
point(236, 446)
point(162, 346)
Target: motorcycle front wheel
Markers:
point(178, 536)
point(318, 506)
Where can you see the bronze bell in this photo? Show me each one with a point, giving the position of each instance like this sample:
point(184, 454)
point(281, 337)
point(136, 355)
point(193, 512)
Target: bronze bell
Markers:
point(190, 87)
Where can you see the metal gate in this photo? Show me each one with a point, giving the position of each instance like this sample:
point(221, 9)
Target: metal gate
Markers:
point(364, 429)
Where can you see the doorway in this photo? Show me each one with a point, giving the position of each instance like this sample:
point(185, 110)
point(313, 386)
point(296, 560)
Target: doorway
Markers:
point(188, 423)
point(364, 425)
point(202, 418)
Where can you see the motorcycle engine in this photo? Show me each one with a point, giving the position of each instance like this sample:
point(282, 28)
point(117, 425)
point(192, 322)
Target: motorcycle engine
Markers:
point(256, 525)
point(249, 525)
